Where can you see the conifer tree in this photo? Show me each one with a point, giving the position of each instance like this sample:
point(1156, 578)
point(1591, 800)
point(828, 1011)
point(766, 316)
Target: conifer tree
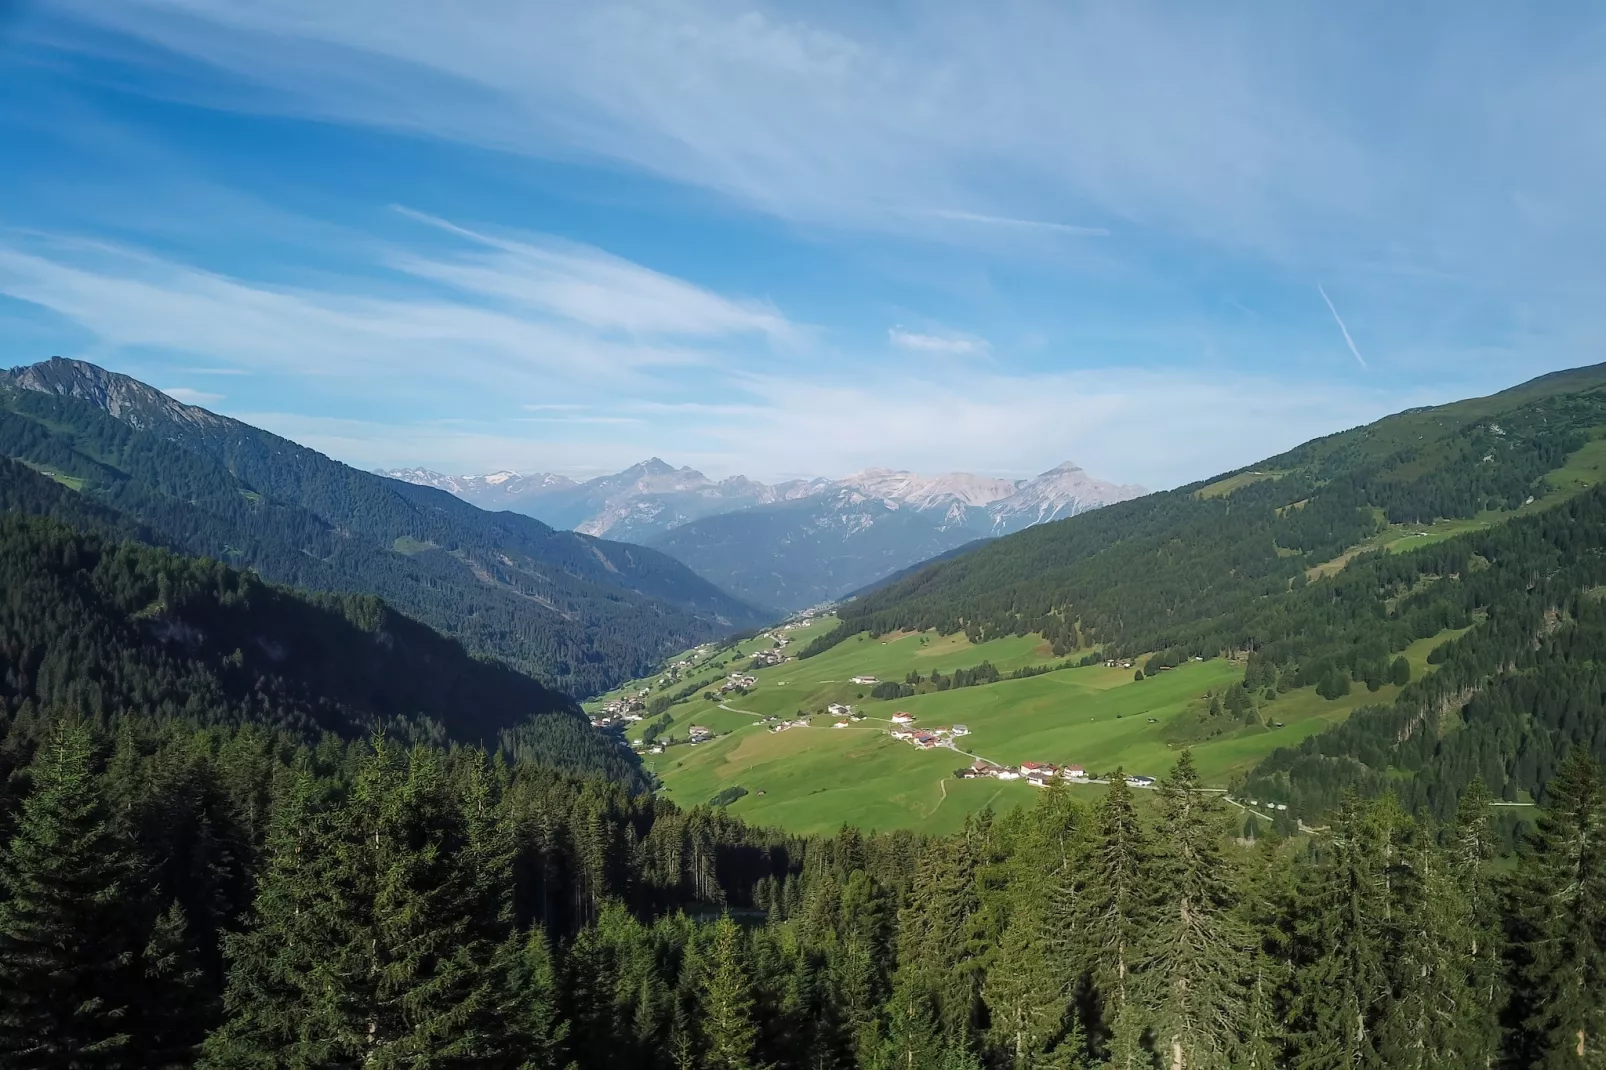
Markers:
point(913, 1039)
point(1340, 945)
point(1024, 992)
point(65, 954)
point(173, 1003)
point(1115, 915)
point(268, 1008)
point(727, 1003)
point(1473, 849)
point(529, 1007)
point(1559, 902)
point(1266, 893)
point(1195, 961)
point(1434, 1006)
point(384, 958)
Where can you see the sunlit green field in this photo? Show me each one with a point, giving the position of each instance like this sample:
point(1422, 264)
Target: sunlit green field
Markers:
point(816, 778)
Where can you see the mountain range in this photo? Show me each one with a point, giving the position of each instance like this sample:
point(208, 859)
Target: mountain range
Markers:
point(792, 544)
point(579, 612)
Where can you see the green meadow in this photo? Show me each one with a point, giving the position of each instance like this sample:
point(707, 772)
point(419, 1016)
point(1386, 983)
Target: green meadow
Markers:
point(815, 778)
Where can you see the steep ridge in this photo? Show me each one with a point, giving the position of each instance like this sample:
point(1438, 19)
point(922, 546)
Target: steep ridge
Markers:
point(582, 612)
point(1295, 567)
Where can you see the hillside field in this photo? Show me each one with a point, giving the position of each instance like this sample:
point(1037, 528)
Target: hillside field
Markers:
point(816, 778)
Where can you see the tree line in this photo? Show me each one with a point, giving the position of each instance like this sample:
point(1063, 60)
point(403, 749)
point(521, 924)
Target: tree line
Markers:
point(237, 897)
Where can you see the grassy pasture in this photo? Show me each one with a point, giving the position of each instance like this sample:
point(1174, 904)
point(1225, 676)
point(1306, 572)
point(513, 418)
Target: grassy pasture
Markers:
point(816, 778)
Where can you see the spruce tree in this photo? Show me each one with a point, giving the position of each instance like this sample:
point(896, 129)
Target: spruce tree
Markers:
point(535, 1033)
point(913, 1038)
point(1474, 846)
point(1559, 903)
point(1114, 914)
point(1195, 960)
point(65, 953)
point(727, 1003)
point(269, 1006)
point(1434, 1011)
point(1340, 944)
point(174, 1005)
point(377, 945)
point(1024, 991)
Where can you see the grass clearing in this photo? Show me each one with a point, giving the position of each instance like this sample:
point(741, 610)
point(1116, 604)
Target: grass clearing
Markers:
point(816, 778)
point(73, 483)
point(1222, 487)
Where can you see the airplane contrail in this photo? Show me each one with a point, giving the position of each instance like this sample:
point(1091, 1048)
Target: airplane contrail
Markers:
point(1339, 320)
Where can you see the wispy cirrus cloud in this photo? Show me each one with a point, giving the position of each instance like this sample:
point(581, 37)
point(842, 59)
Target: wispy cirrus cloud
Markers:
point(1223, 123)
point(190, 396)
point(498, 308)
point(588, 286)
point(1017, 224)
point(950, 344)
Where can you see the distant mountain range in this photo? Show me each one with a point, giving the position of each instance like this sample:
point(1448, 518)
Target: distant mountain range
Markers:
point(792, 544)
point(582, 613)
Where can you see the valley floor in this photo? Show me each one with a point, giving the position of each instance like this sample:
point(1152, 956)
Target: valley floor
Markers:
point(814, 777)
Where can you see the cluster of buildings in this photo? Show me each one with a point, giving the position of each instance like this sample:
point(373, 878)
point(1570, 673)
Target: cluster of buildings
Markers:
point(621, 711)
point(1039, 774)
point(924, 738)
point(776, 655)
point(783, 724)
point(738, 680)
point(844, 713)
point(697, 733)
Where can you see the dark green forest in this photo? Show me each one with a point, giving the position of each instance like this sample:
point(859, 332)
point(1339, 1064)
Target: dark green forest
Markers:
point(174, 895)
point(1186, 574)
point(580, 612)
point(119, 630)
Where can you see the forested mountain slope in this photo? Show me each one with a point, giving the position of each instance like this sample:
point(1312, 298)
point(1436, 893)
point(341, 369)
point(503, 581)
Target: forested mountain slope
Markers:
point(581, 612)
point(115, 629)
point(1283, 564)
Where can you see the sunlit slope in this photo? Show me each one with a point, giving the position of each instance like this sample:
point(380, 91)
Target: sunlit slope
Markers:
point(815, 778)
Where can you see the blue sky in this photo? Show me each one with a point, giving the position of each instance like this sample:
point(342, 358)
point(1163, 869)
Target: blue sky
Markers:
point(1160, 240)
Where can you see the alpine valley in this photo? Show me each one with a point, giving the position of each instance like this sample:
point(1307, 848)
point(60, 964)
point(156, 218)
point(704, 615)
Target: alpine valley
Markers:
point(794, 544)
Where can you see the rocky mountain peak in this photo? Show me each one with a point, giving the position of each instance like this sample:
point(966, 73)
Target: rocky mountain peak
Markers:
point(136, 404)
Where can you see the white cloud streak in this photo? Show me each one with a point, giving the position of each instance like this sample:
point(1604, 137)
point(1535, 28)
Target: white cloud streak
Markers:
point(520, 310)
point(1343, 329)
point(191, 397)
point(950, 344)
point(1021, 224)
point(588, 286)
